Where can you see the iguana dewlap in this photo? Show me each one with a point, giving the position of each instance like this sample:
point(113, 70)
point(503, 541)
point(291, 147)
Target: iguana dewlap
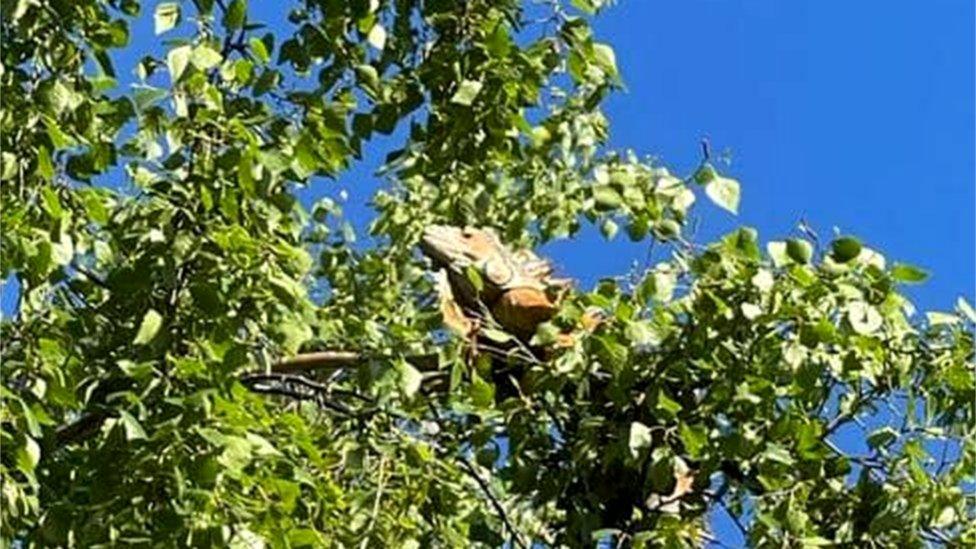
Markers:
point(517, 287)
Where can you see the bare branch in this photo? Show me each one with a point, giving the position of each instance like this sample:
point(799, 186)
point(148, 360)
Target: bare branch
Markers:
point(80, 429)
point(499, 508)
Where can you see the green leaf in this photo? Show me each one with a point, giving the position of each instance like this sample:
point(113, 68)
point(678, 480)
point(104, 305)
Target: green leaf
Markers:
point(864, 318)
point(605, 59)
point(966, 309)
point(724, 192)
point(28, 456)
point(666, 405)
point(10, 163)
point(177, 60)
point(637, 228)
point(751, 311)
point(152, 321)
point(377, 37)
point(482, 393)
point(588, 7)
point(936, 318)
point(166, 16)
point(474, 277)
point(304, 537)
point(947, 517)
point(640, 332)
point(694, 439)
point(410, 378)
point(497, 336)
point(606, 197)
point(51, 203)
point(259, 49)
point(236, 12)
point(667, 229)
point(777, 251)
point(147, 96)
point(133, 430)
point(705, 174)
point(59, 138)
point(466, 92)
point(640, 438)
point(845, 249)
point(799, 250)
point(205, 57)
point(546, 334)
point(882, 438)
point(902, 272)
point(45, 168)
point(778, 454)
point(368, 78)
point(609, 228)
point(269, 79)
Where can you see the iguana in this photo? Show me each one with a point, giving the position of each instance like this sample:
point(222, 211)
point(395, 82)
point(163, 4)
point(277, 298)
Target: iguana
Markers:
point(517, 286)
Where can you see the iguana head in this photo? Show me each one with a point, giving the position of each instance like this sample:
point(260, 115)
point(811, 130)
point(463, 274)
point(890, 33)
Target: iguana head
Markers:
point(457, 249)
point(450, 246)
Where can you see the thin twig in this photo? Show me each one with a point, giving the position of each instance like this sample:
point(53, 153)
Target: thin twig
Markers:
point(97, 280)
point(376, 502)
point(335, 359)
point(325, 388)
point(298, 395)
point(485, 488)
point(499, 508)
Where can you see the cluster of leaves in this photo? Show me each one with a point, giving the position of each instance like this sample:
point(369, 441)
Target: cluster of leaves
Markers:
point(162, 258)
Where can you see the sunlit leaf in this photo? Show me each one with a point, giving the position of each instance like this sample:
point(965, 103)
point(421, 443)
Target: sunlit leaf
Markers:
point(166, 16)
point(377, 38)
point(466, 93)
point(903, 272)
point(846, 249)
point(152, 321)
point(724, 192)
point(640, 438)
point(133, 429)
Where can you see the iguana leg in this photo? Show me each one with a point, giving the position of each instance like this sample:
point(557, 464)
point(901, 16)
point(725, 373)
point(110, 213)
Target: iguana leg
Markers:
point(454, 317)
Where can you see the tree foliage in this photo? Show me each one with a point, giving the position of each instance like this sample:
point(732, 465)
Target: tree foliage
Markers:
point(167, 270)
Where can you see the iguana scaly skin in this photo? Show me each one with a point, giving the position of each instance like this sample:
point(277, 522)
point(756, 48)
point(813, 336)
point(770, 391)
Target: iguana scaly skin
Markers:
point(518, 290)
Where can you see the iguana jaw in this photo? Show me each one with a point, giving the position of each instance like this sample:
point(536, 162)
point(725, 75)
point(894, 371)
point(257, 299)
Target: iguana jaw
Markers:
point(444, 245)
point(456, 249)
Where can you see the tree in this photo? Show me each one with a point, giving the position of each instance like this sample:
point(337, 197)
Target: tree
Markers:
point(198, 359)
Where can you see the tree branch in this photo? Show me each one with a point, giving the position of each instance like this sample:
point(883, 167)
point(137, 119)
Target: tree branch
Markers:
point(499, 508)
point(331, 360)
point(80, 429)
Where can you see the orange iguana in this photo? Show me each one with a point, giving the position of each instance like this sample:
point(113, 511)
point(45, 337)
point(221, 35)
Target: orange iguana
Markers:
point(517, 287)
